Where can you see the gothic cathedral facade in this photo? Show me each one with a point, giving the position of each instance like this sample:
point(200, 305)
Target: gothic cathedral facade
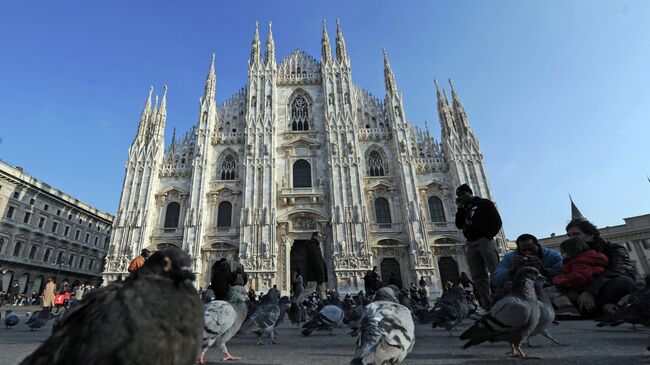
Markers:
point(301, 148)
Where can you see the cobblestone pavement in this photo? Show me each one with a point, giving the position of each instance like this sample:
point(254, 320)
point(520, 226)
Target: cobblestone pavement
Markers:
point(587, 345)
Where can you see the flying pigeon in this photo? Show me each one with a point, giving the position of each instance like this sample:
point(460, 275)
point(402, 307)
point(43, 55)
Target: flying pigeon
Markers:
point(222, 320)
point(154, 317)
point(512, 318)
point(329, 317)
point(450, 310)
point(264, 318)
point(546, 313)
point(387, 334)
point(11, 319)
point(40, 318)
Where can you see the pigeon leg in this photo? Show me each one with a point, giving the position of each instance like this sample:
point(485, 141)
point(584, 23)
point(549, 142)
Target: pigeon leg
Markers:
point(548, 335)
point(228, 355)
point(259, 339)
point(530, 344)
point(273, 337)
point(524, 356)
point(515, 351)
point(202, 358)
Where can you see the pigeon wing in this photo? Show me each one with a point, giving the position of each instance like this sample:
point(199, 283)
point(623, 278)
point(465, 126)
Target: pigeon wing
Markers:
point(219, 317)
point(508, 318)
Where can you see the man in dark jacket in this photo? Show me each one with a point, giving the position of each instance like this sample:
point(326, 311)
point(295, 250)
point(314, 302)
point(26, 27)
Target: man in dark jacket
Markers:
point(371, 281)
point(480, 222)
point(610, 286)
point(220, 279)
point(315, 270)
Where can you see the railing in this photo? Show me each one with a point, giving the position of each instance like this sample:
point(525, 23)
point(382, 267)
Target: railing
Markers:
point(169, 231)
point(228, 137)
point(374, 133)
point(49, 265)
point(298, 192)
point(441, 226)
point(225, 231)
point(385, 227)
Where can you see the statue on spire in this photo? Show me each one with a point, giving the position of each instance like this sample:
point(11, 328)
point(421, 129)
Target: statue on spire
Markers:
point(389, 78)
point(269, 54)
point(326, 48)
point(255, 47)
point(341, 53)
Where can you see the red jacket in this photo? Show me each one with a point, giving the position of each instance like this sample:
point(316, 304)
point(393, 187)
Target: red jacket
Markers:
point(581, 270)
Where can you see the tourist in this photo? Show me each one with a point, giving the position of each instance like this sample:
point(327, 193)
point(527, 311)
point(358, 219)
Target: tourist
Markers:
point(581, 264)
point(220, 279)
point(604, 291)
point(48, 294)
point(139, 261)
point(371, 281)
point(315, 269)
point(528, 253)
point(297, 284)
point(480, 222)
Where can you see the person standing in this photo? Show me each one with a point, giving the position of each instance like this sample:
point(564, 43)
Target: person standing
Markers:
point(220, 279)
point(48, 294)
point(139, 261)
point(315, 269)
point(480, 222)
point(297, 284)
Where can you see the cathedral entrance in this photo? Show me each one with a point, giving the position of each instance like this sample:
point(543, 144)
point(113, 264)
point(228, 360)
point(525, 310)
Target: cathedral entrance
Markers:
point(389, 265)
point(448, 270)
point(298, 258)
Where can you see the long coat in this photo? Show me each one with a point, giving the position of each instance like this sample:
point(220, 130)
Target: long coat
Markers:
point(220, 279)
point(315, 269)
point(48, 295)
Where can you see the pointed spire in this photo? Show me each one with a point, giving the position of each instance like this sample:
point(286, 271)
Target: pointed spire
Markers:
point(210, 82)
point(147, 105)
point(575, 212)
point(163, 103)
point(155, 108)
point(255, 47)
point(341, 53)
point(269, 54)
point(389, 78)
point(173, 136)
point(326, 48)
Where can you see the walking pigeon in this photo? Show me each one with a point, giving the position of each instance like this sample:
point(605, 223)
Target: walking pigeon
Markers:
point(295, 312)
point(512, 318)
point(329, 317)
point(450, 310)
point(387, 334)
point(264, 318)
point(546, 313)
point(11, 319)
point(39, 319)
point(222, 320)
point(154, 317)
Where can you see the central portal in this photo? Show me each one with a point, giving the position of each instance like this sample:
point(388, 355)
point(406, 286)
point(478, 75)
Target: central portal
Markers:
point(298, 258)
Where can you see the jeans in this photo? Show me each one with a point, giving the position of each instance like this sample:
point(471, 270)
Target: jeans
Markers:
point(482, 257)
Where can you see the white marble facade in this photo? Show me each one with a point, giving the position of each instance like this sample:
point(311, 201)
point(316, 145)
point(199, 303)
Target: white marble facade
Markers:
point(300, 148)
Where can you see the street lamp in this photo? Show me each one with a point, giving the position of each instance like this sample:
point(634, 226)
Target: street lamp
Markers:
point(58, 271)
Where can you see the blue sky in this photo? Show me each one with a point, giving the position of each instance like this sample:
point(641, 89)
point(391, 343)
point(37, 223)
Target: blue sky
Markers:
point(558, 92)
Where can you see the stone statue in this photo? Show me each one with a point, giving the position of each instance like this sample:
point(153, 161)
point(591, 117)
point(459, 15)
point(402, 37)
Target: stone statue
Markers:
point(284, 181)
point(243, 250)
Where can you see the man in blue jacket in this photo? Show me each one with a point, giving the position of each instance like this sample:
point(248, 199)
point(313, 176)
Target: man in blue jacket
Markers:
point(528, 253)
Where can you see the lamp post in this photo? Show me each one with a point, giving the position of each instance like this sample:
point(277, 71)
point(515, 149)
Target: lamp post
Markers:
point(58, 270)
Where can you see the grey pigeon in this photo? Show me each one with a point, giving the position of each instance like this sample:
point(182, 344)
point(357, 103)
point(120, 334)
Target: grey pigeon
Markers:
point(546, 313)
point(329, 317)
point(387, 334)
point(222, 320)
point(512, 319)
point(154, 317)
point(295, 312)
point(264, 318)
point(635, 311)
point(450, 310)
point(386, 293)
point(40, 318)
point(11, 319)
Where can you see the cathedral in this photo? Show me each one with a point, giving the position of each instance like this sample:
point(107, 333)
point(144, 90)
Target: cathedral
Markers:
point(301, 148)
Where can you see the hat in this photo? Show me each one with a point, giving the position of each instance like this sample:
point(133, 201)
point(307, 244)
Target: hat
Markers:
point(464, 188)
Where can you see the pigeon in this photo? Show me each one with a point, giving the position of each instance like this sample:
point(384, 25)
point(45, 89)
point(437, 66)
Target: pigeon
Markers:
point(154, 317)
point(512, 318)
point(11, 319)
point(450, 310)
point(40, 318)
point(387, 334)
point(329, 317)
point(264, 318)
point(635, 311)
point(295, 312)
point(222, 320)
point(546, 313)
point(386, 293)
point(354, 312)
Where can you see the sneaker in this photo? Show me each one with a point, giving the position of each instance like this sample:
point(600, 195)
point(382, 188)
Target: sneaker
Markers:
point(567, 313)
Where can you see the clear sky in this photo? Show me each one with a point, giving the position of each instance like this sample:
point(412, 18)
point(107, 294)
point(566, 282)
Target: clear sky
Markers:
point(558, 92)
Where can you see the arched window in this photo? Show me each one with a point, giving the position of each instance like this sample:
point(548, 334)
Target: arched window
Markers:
point(376, 165)
point(172, 214)
point(224, 214)
point(382, 212)
point(301, 174)
point(17, 248)
point(46, 257)
point(70, 260)
point(32, 252)
point(299, 114)
point(81, 262)
point(436, 211)
point(228, 168)
point(91, 264)
point(59, 258)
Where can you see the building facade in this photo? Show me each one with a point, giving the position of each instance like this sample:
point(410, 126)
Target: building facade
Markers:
point(634, 234)
point(301, 148)
point(45, 232)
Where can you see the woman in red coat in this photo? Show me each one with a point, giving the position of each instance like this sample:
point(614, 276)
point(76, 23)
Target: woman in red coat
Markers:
point(581, 264)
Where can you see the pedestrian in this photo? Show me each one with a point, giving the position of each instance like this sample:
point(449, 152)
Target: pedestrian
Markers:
point(220, 279)
point(315, 269)
point(139, 261)
point(297, 284)
point(79, 293)
point(480, 222)
point(239, 275)
point(371, 281)
point(604, 291)
point(48, 294)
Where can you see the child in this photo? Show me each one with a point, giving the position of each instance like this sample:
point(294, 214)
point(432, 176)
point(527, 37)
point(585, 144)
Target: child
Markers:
point(581, 264)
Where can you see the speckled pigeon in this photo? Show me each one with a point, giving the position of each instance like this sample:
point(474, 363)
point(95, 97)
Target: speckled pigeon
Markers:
point(387, 334)
point(222, 320)
point(450, 310)
point(154, 317)
point(329, 317)
point(40, 318)
point(11, 319)
point(512, 318)
point(264, 318)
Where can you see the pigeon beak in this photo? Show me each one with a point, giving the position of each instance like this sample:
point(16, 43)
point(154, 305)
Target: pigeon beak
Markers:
point(188, 272)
